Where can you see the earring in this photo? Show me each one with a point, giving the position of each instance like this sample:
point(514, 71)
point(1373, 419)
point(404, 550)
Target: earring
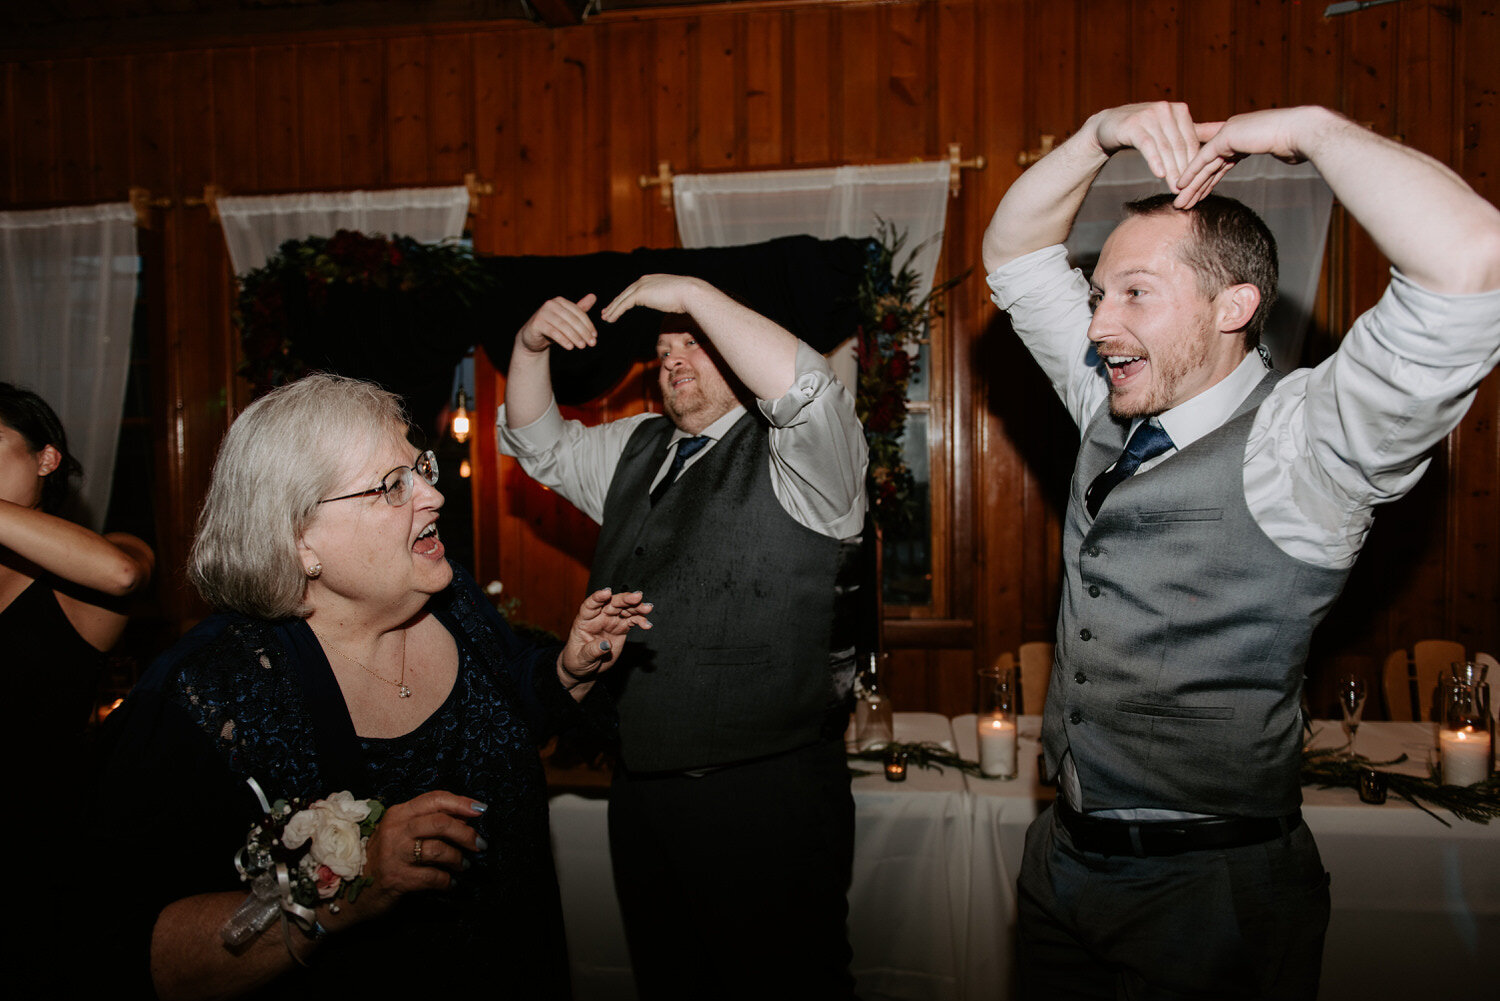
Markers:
point(314, 572)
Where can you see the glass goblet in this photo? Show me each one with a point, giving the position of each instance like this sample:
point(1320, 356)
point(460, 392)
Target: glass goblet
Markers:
point(1352, 694)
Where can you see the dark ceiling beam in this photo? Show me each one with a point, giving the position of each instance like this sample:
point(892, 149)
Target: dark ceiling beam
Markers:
point(560, 13)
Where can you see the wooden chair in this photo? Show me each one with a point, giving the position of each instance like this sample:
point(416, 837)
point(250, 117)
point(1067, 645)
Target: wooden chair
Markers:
point(1410, 684)
point(1036, 673)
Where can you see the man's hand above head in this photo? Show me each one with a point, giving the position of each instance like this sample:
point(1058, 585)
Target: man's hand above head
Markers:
point(559, 322)
point(528, 381)
point(1039, 208)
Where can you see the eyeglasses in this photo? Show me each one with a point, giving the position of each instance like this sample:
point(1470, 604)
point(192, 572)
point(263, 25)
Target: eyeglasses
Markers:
point(396, 485)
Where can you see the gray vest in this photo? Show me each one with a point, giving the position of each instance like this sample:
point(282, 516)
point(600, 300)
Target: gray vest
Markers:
point(1183, 634)
point(736, 665)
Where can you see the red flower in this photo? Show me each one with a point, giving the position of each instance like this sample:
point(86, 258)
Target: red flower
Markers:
point(890, 323)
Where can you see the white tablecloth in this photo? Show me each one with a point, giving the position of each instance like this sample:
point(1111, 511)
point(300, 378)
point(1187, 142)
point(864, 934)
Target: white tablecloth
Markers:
point(932, 906)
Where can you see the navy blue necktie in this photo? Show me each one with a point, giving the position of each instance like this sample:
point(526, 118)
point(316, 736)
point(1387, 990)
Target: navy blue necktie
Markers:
point(686, 449)
point(1148, 442)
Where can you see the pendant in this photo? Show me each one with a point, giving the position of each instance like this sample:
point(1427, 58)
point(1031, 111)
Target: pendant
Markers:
point(405, 692)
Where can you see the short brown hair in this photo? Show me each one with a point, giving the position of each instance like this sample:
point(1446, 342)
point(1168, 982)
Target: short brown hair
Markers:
point(1230, 246)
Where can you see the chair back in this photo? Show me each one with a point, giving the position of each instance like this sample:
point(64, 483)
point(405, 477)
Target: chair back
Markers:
point(1410, 684)
point(1036, 674)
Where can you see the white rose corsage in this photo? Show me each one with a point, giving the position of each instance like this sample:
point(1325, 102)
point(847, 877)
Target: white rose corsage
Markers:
point(299, 856)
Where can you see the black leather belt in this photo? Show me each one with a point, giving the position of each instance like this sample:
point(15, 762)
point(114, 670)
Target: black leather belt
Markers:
point(1111, 836)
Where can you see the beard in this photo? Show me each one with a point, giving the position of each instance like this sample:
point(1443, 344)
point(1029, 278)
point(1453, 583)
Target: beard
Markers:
point(1167, 369)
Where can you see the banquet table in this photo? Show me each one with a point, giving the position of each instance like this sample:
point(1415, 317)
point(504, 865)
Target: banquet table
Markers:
point(932, 905)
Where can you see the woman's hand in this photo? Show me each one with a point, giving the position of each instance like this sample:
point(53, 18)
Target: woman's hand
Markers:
point(597, 635)
point(418, 845)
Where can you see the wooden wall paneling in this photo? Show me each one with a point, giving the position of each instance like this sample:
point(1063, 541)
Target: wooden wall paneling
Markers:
point(906, 123)
point(450, 108)
point(584, 137)
point(1314, 57)
point(1103, 57)
point(951, 104)
point(1207, 58)
point(109, 128)
point(9, 130)
point(1155, 48)
point(539, 113)
point(319, 115)
point(497, 151)
point(74, 180)
point(672, 115)
point(813, 79)
point(407, 149)
point(1005, 33)
point(1051, 69)
point(764, 93)
point(1426, 103)
point(858, 40)
point(955, 688)
point(1260, 54)
point(630, 153)
point(236, 148)
point(278, 129)
point(718, 107)
point(361, 105)
point(1474, 598)
point(35, 123)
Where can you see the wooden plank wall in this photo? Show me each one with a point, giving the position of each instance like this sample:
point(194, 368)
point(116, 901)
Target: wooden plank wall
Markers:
point(562, 122)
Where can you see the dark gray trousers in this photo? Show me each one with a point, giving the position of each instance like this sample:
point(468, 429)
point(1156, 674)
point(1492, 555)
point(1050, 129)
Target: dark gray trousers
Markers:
point(1227, 923)
point(733, 884)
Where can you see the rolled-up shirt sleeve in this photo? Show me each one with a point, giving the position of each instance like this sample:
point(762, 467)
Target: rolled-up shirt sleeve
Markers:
point(577, 462)
point(1048, 305)
point(818, 451)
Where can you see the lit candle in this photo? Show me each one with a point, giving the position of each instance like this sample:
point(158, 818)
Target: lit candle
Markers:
point(1466, 756)
point(895, 766)
point(997, 747)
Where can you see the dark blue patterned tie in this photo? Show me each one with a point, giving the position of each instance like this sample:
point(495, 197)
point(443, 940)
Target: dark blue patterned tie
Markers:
point(1148, 442)
point(686, 449)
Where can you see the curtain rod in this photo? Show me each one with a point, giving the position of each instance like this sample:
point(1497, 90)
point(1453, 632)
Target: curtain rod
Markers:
point(662, 179)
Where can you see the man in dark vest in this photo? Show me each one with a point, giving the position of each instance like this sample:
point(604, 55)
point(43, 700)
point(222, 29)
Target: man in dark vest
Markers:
point(1215, 511)
point(731, 821)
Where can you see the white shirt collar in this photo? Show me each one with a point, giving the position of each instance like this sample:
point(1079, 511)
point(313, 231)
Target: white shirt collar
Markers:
point(716, 430)
point(1187, 422)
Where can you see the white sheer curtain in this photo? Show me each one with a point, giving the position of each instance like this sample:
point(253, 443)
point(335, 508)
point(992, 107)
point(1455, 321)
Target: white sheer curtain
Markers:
point(67, 300)
point(1294, 201)
point(255, 226)
point(726, 210)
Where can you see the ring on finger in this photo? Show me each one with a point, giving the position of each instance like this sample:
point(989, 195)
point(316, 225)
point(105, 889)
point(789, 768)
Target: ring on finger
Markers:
point(416, 851)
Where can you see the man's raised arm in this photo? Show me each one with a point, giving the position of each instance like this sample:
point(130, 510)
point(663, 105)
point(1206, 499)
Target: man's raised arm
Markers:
point(1039, 208)
point(761, 353)
point(528, 381)
point(1424, 218)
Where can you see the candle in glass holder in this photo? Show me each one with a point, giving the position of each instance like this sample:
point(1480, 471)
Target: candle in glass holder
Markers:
point(1465, 756)
point(895, 766)
point(997, 746)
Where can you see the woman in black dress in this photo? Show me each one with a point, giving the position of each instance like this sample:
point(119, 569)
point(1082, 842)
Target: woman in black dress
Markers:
point(350, 655)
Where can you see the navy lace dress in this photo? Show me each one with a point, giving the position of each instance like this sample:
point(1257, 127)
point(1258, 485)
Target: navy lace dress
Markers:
point(240, 698)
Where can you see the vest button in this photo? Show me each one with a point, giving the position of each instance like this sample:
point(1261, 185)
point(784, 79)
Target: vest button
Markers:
point(640, 550)
point(1079, 678)
point(1085, 635)
point(1075, 717)
point(1093, 590)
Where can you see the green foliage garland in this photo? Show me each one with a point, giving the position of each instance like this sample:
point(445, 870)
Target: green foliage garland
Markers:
point(295, 282)
point(893, 321)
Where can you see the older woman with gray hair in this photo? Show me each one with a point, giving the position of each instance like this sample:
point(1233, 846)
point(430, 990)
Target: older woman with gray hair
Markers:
point(348, 655)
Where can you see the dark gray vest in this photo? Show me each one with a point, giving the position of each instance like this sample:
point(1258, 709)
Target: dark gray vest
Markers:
point(1183, 634)
point(736, 665)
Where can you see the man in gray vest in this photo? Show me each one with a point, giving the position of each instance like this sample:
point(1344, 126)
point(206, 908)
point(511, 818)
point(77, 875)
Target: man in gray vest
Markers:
point(731, 821)
point(1215, 511)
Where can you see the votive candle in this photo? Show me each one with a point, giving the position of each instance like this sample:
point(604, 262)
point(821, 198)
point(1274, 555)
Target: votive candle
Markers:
point(997, 747)
point(1465, 755)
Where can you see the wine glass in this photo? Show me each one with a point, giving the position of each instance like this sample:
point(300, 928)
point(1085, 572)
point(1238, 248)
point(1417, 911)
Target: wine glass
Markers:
point(1352, 696)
